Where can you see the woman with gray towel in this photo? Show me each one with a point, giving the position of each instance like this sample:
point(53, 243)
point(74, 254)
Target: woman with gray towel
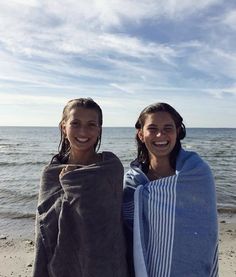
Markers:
point(78, 223)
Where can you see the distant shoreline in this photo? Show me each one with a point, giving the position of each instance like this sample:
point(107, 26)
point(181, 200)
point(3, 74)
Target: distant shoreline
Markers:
point(26, 126)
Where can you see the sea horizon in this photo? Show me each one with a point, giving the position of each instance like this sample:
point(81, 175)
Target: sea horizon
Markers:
point(35, 126)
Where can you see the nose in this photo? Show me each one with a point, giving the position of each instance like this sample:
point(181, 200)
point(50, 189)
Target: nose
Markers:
point(82, 130)
point(160, 132)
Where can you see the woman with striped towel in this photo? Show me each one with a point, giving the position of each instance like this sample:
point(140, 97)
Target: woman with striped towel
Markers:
point(169, 204)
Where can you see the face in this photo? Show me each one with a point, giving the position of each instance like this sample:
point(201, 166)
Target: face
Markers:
point(82, 129)
point(159, 134)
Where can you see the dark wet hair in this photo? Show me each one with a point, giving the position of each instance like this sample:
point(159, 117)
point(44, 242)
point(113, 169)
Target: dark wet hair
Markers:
point(142, 155)
point(86, 103)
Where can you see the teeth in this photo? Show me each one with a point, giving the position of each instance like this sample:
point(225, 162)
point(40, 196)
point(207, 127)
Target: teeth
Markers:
point(82, 139)
point(161, 143)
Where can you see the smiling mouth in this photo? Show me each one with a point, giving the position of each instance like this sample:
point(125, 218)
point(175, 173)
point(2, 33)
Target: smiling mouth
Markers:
point(82, 140)
point(161, 143)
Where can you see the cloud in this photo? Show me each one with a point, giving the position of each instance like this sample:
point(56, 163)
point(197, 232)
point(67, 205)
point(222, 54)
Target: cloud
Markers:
point(77, 27)
point(230, 19)
point(162, 49)
point(215, 62)
point(104, 14)
point(50, 30)
point(25, 99)
point(223, 93)
point(122, 88)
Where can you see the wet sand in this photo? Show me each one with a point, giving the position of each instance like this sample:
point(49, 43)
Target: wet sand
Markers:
point(17, 254)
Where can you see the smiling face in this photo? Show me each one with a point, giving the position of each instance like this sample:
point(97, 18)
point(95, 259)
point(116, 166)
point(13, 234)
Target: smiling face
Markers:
point(159, 134)
point(82, 130)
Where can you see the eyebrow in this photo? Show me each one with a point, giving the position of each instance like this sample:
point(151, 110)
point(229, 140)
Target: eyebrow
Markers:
point(93, 121)
point(165, 125)
point(169, 125)
point(78, 119)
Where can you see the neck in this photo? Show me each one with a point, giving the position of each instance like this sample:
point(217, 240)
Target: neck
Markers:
point(83, 158)
point(160, 169)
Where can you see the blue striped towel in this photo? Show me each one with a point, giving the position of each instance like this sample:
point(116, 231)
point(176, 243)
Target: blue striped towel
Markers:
point(173, 220)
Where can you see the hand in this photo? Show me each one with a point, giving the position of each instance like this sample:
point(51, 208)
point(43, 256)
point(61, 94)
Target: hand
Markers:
point(66, 169)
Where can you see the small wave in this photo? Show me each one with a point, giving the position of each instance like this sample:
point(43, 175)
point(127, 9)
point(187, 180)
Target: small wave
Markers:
point(25, 179)
point(16, 196)
point(16, 153)
point(17, 215)
point(10, 144)
point(227, 210)
point(20, 163)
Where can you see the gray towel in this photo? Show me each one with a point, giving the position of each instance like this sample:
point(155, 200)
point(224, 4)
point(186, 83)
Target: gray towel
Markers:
point(79, 227)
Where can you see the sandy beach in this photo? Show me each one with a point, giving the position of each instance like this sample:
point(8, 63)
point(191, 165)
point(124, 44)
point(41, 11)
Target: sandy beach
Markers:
point(227, 251)
point(16, 254)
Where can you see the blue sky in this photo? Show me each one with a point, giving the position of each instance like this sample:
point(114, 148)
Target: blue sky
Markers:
point(125, 54)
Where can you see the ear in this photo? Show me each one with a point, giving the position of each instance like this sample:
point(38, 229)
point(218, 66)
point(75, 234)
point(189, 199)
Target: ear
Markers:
point(63, 129)
point(140, 135)
point(100, 130)
point(178, 131)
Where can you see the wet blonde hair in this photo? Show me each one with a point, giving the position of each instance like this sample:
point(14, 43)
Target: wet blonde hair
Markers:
point(86, 103)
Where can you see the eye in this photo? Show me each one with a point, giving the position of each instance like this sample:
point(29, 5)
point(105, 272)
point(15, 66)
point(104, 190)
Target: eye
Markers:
point(169, 129)
point(74, 123)
point(152, 129)
point(92, 124)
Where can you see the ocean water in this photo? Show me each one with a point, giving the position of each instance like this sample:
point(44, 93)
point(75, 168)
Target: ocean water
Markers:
point(24, 151)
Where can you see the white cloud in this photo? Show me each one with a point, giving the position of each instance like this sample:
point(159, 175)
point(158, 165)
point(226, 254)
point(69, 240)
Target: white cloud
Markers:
point(230, 19)
point(24, 99)
point(134, 47)
point(102, 49)
point(123, 88)
point(30, 3)
point(78, 26)
point(222, 93)
point(182, 8)
point(209, 59)
point(108, 13)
